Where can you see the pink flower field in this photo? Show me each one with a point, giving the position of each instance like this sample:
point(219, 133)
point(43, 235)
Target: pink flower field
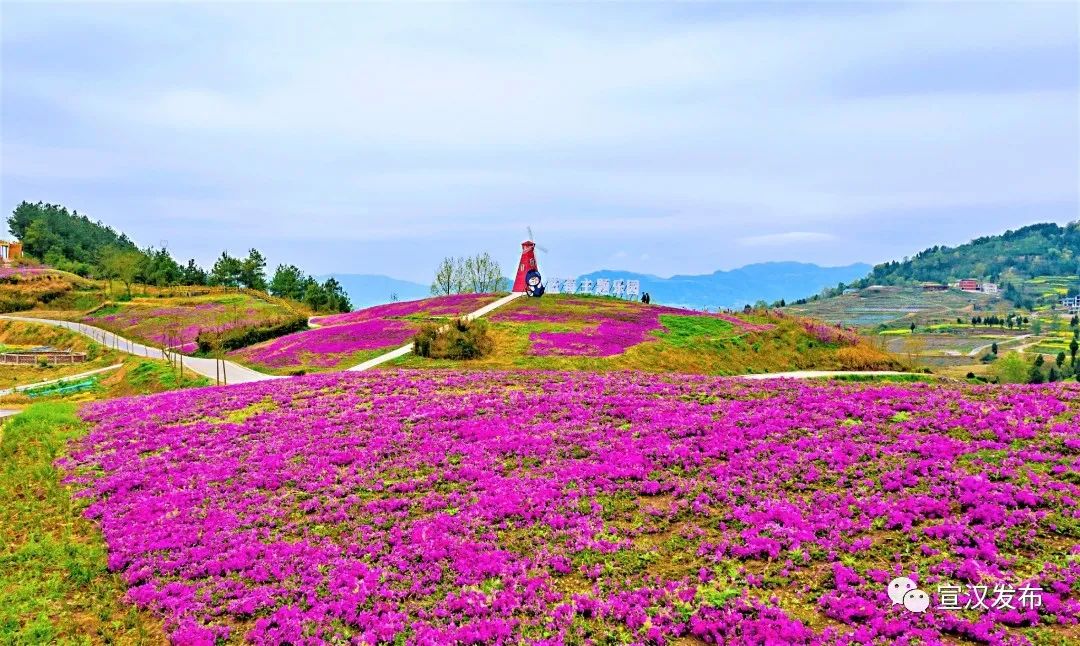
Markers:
point(347, 339)
point(438, 507)
point(599, 327)
point(177, 325)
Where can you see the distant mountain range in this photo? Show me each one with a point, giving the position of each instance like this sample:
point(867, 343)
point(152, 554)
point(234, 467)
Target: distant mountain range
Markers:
point(768, 281)
point(365, 290)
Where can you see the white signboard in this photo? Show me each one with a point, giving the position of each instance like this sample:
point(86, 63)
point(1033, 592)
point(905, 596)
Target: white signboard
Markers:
point(633, 288)
point(603, 286)
point(584, 286)
point(618, 287)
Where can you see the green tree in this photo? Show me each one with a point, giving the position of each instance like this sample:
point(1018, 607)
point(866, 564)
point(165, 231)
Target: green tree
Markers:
point(253, 270)
point(445, 278)
point(314, 295)
point(1074, 345)
point(226, 271)
point(193, 274)
point(994, 347)
point(336, 298)
point(1039, 360)
point(1035, 376)
point(288, 282)
point(123, 265)
point(1011, 369)
point(1060, 359)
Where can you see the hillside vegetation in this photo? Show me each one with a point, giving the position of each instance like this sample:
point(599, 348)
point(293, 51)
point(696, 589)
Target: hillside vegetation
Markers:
point(1037, 250)
point(71, 242)
point(562, 332)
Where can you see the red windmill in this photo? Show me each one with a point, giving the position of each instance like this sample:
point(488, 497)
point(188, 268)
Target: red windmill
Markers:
point(528, 278)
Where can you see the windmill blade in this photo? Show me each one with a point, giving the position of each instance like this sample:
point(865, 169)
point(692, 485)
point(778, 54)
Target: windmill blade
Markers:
point(529, 229)
point(542, 248)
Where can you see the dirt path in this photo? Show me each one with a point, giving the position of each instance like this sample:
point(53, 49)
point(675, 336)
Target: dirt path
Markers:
point(983, 348)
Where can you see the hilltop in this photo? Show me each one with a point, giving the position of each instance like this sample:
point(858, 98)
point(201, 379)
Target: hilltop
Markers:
point(577, 333)
point(1045, 249)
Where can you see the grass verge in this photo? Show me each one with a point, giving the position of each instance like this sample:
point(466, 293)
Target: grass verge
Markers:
point(54, 583)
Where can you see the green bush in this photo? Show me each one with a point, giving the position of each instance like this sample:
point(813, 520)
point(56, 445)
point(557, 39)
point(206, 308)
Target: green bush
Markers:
point(242, 337)
point(461, 339)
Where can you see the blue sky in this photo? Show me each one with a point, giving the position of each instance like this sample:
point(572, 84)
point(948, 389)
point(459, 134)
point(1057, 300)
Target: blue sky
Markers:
point(684, 138)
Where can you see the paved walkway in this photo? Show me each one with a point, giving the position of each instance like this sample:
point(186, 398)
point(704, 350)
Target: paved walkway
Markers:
point(16, 389)
point(406, 349)
point(234, 372)
point(813, 374)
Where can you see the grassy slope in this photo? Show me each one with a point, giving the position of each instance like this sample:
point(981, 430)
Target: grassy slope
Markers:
point(54, 584)
point(137, 376)
point(149, 319)
point(690, 343)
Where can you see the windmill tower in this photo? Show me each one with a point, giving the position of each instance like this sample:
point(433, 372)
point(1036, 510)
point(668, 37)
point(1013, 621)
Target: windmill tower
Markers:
point(528, 277)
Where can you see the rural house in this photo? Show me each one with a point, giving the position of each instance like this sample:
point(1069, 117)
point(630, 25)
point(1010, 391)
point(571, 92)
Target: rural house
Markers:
point(10, 251)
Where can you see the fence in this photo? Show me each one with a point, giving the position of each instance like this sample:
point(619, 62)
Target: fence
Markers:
point(34, 358)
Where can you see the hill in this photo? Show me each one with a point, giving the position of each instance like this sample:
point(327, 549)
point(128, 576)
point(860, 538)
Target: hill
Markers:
point(1044, 249)
point(577, 333)
point(767, 281)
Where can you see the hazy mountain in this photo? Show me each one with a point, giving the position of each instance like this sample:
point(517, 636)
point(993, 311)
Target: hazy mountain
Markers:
point(365, 290)
point(768, 281)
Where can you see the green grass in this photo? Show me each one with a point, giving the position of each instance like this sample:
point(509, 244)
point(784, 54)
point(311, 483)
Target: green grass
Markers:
point(54, 583)
point(693, 331)
point(153, 376)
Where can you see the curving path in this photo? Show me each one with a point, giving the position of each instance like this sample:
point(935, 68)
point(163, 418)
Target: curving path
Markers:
point(406, 349)
point(234, 372)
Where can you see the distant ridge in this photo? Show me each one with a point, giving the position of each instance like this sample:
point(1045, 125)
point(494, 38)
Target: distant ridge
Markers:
point(767, 281)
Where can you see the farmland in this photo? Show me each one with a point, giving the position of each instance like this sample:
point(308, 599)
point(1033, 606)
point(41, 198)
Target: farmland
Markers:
point(497, 507)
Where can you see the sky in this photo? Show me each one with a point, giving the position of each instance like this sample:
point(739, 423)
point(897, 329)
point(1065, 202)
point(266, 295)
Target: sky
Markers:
point(675, 138)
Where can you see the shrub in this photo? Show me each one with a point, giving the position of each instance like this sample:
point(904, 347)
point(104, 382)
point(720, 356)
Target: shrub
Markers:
point(461, 339)
point(240, 337)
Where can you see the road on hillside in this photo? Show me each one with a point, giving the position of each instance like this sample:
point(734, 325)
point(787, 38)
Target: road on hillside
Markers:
point(813, 374)
point(234, 372)
point(982, 348)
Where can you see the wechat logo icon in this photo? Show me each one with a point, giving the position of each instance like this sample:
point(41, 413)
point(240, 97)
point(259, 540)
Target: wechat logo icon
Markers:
point(902, 591)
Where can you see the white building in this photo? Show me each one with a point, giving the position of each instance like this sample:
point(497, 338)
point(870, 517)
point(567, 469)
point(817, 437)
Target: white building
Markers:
point(1071, 303)
point(989, 288)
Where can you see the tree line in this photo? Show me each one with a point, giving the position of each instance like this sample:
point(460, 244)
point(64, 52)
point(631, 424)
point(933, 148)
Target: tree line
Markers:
point(479, 274)
point(72, 242)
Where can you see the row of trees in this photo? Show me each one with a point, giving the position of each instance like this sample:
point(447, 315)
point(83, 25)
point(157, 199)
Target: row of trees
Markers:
point(74, 243)
point(290, 282)
point(479, 274)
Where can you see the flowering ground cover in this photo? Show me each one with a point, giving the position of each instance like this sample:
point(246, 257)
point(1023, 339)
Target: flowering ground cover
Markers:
point(563, 332)
point(427, 308)
point(540, 507)
point(342, 340)
point(176, 322)
point(22, 271)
